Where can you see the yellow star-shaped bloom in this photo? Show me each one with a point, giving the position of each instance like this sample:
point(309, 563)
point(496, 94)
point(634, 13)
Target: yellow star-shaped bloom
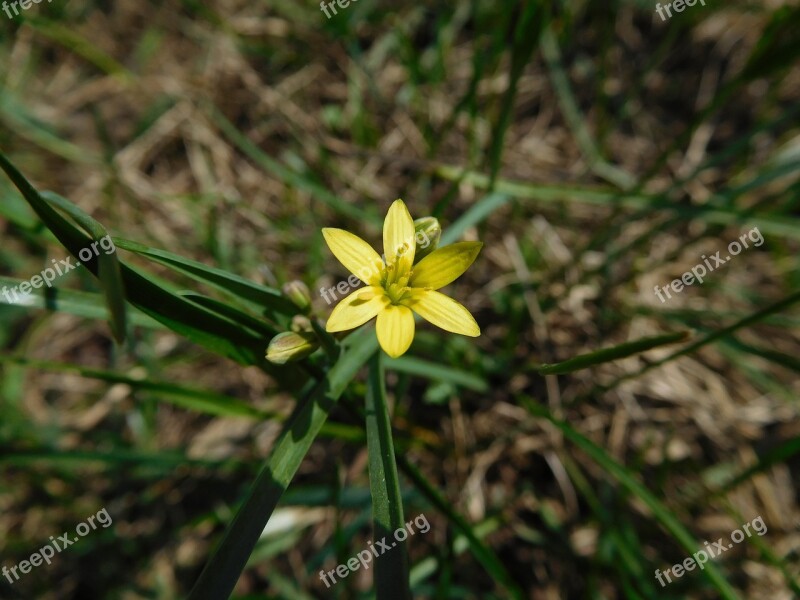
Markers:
point(396, 286)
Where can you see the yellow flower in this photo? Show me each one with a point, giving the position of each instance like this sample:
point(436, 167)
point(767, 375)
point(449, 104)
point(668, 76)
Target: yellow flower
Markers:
point(396, 286)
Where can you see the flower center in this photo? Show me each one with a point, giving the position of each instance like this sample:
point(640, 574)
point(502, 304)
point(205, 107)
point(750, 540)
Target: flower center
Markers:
point(396, 292)
point(394, 283)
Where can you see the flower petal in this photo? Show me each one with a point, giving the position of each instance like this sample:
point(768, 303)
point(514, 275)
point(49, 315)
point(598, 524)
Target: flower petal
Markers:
point(395, 329)
point(399, 237)
point(358, 308)
point(443, 312)
point(355, 254)
point(444, 265)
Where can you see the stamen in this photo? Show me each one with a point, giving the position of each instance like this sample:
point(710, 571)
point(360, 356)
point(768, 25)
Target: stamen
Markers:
point(396, 292)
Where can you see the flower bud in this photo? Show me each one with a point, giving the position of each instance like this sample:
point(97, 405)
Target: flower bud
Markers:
point(301, 323)
point(298, 293)
point(290, 346)
point(427, 232)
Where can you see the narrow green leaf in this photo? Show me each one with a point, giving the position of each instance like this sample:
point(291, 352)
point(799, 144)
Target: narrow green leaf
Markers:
point(779, 454)
point(81, 46)
point(493, 565)
point(226, 565)
point(778, 225)
point(81, 304)
point(163, 460)
point(575, 119)
point(630, 559)
point(179, 314)
point(108, 269)
point(711, 337)
point(609, 354)
point(259, 296)
point(105, 266)
point(778, 45)
point(628, 480)
point(424, 368)
point(256, 326)
point(202, 326)
point(779, 358)
point(201, 401)
point(527, 30)
point(477, 213)
point(15, 115)
point(391, 568)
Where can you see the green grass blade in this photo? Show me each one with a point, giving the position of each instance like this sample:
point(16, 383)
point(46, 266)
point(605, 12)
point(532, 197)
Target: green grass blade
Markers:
point(198, 324)
point(194, 399)
point(223, 570)
point(779, 358)
point(201, 401)
point(493, 565)
point(477, 213)
point(391, 568)
point(202, 326)
point(605, 355)
point(108, 269)
point(163, 460)
point(628, 480)
point(81, 304)
point(774, 225)
point(15, 115)
point(576, 121)
point(257, 326)
point(238, 287)
point(777, 455)
point(105, 266)
point(526, 34)
point(714, 336)
point(67, 37)
point(778, 46)
point(435, 372)
point(14, 209)
point(628, 557)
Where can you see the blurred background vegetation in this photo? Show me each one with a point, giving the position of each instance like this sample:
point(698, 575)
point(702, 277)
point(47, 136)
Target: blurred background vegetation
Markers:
point(595, 149)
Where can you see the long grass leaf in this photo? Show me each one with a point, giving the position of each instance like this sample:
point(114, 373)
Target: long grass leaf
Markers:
point(629, 481)
point(391, 568)
point(238, 287)
point(229, 559)
point(108, 269)
point(490, 561)
point(605, 355)
point(778, 225)
point(198, 324)
point(80, 45)
point(436, 372)
point(88, 305)
point(712, 337)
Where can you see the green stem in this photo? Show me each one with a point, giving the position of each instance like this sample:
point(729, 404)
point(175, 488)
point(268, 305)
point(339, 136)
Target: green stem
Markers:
point(391, 567)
